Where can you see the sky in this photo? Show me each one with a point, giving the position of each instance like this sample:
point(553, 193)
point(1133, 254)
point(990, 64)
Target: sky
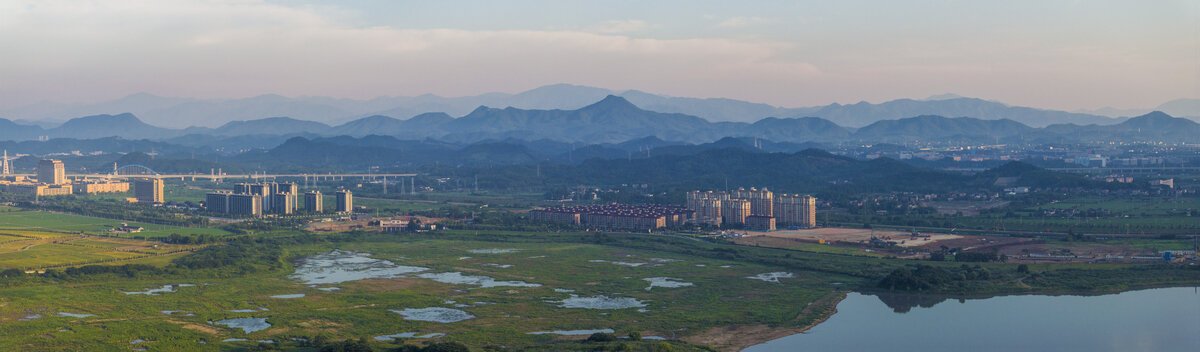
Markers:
point(1051, 54)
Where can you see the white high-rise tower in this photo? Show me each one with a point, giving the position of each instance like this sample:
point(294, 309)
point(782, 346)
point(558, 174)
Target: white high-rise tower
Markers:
point(5, 167)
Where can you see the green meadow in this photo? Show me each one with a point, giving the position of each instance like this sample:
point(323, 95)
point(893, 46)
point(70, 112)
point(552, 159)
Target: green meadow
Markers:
point(34, 220)
point(720, 294)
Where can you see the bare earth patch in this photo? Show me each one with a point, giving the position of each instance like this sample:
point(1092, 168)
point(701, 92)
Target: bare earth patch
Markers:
point(321, 324)
point(196, 327)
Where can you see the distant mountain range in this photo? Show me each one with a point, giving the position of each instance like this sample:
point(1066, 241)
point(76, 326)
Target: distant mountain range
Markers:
point(615, 120)
point(212, 113)
point(1189, 108)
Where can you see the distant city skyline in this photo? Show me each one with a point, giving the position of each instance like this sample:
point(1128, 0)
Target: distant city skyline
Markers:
point(1064, 55)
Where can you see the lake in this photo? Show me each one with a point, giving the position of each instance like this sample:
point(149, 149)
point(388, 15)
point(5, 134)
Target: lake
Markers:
point(1163, 319)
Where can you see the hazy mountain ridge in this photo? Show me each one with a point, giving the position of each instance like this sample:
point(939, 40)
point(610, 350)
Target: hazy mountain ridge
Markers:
point(211, 113)
point(614, 120)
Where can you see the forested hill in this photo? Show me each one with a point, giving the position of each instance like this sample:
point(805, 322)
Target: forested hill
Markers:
point(808, 171)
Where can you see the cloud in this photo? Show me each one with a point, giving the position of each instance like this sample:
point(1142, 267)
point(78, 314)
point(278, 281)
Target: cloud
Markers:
point(230, 49)
point(622, 26)
point(739, 22)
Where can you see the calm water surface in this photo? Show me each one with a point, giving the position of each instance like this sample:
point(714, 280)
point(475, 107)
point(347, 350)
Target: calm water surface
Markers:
point(1164, 319)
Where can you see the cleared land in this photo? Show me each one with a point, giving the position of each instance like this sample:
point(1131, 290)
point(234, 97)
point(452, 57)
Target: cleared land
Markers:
point(852, 235)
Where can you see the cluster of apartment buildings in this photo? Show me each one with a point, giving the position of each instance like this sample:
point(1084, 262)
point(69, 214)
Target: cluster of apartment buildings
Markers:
point(753, 208)
point(51, 180)
point(616, 216)
point(256, 199)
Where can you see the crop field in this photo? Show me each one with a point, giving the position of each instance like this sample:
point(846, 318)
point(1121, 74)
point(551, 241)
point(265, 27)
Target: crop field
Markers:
point(474, 292)
point(14, 222)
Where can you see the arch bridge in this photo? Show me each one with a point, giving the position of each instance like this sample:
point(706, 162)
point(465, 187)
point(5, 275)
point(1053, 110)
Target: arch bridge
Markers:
point(144, 170)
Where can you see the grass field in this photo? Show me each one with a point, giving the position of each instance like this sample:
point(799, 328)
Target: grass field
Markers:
point(12, 222)
point(721, 295)
point(1150, 206)
point(39, 240)
point(57, 252)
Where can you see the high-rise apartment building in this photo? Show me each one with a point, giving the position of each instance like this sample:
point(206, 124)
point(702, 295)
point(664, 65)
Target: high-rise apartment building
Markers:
point(314, 202)
point(796, 210)
point(291, 188)
point(148, 190)
point(735, 211)
point(709, 211)
point(245, 204)
point(726, 207)
point(217, 202)
point(761, 201)
point(283, 203)
point(345, 201)
point(51, 172)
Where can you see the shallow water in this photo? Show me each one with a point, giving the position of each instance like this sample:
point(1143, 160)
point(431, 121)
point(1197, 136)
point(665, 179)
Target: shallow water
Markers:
point(492, 250)
point(155, 291)
point(600, 302)
point(408, 335)
point(1165, 319)
point(74, 315)
point(571, 332)
point(288, 296)
point(666, 282)
point(772, 277)
point(631, 264)
point(433, 314)
point(483, 281)
point(247, 325)
point(341, 266)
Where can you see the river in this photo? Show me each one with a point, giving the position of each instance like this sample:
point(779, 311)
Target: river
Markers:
point(1162, 319)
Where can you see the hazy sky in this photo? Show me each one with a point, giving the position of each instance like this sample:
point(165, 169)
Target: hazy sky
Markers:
point(1052, 54)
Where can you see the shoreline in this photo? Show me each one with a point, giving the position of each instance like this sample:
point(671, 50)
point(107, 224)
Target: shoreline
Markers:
point(735, 338)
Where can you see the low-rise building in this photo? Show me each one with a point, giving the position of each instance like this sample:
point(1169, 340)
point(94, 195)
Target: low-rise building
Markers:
point(616, 216)
point(99, 186)
point(760, 223)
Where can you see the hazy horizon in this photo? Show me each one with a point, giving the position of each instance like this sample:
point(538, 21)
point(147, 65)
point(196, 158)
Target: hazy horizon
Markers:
point(1060, 55)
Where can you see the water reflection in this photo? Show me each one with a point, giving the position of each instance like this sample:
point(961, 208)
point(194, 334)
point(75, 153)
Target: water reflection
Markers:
point(1146, 320)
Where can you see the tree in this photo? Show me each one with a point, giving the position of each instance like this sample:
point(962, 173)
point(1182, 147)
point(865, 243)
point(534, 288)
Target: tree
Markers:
point(602, 337)
point(1023, 268)
point(446, 347)
point(635, 336)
